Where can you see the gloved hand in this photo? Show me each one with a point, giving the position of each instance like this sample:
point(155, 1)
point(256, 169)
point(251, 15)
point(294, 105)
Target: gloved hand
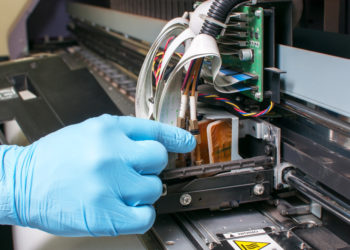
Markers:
point(95, 178)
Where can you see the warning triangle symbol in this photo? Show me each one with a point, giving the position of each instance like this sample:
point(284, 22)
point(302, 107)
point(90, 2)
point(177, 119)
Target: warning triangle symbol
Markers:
point(250, 245)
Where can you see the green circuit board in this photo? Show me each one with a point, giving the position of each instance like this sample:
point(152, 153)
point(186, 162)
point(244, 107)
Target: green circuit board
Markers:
point(253, 20)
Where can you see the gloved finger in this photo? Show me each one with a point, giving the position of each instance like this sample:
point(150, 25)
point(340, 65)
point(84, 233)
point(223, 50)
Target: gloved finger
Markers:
point(149, 157)
point(174, 139)
point(139, 190)
point(138, 221)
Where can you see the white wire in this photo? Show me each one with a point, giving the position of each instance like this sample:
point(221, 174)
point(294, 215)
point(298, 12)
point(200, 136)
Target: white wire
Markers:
point(183, 106)
point(193, 109)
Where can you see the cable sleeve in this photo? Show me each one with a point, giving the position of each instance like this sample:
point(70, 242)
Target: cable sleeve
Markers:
point(219, 10)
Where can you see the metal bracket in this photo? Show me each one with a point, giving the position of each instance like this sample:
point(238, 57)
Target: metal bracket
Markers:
point(215, 168)
point(274, 79)
point(316, 209)
point(222, 191)
point(278, 172)
point(285, 208)
point(215, 114)
point(263, 130)
point(235, 137)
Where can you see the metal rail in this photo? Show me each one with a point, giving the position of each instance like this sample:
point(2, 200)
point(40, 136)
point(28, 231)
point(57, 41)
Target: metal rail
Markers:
point(311, 191)
point(324, 119)
point(216, 168)
point(140, 27)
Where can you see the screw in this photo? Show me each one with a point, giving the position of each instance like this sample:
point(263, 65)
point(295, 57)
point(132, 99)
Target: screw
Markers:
point(268, 150)
point(258, 189)
point(185, 199)
point(257, 95)
point(258, 13)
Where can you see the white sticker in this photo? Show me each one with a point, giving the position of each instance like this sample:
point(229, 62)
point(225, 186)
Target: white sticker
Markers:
point(252, 240)
point(7, 93)
point(244, 233)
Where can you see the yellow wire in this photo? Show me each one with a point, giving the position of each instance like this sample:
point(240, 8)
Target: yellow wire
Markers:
point(271, 107)
point(157, 72)
point(160, 61)
point(249, 114)
point(237, 107)
point(154, 61)
point(234, 105)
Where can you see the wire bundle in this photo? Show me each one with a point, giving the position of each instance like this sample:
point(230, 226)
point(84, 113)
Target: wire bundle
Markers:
point(145, 91)
point(158, 59)
point(192, 75)
point(158, 62)
point(236, 107)
point(190, 82)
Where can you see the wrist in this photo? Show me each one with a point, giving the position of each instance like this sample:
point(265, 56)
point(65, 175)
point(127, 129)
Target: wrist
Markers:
point(14, 173)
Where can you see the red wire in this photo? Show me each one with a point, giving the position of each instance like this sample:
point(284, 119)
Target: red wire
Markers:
point(221, 99)
point(160, 64)
point(236, 109)
point(258, 114)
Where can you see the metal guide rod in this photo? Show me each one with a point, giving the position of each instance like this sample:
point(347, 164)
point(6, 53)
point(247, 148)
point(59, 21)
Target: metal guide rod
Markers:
point(324, 119)
point(310, 191)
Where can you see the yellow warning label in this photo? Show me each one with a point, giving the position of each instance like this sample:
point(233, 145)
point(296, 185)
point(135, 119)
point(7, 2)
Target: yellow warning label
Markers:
point(250, 245)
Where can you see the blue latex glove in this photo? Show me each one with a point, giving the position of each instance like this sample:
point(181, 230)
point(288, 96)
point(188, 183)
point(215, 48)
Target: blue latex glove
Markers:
point(95, 178)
